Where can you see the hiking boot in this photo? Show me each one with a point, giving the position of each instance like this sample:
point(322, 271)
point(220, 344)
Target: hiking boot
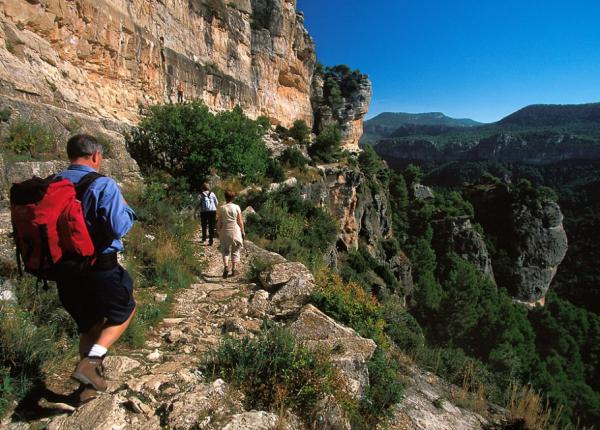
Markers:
point(90, 371)
point(87, 394)
point(224, 273)
point(210, 242)
point(235, 273)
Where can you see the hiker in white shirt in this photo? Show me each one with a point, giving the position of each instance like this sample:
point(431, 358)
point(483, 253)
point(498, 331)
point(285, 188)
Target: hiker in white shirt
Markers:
point(230, 225)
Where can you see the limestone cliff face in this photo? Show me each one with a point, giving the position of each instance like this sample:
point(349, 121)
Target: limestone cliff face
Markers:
point(110, 58)
point(364, 216)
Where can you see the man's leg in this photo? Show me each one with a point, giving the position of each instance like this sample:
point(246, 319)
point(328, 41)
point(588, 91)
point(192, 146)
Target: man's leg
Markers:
point(212, 220)
point(89, 338)
point(109, 334)
point(205, 224)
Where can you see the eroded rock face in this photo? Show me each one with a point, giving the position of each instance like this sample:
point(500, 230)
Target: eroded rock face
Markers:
point(349, 115)
point(542, 242)
point(112, 58)
point(361, 212)
point(350, 352)
point(456, 235)
point(428, 404)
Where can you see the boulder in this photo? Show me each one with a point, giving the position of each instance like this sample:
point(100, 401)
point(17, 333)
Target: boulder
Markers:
point(107, 412)
point(292, 182)
point(255, 420)
point(422, 192)
point(428, 405)
point(116, 366)
point(194, 409)
point(7, 291)
point(349, 351)
point(260, 305)
point(290, 285)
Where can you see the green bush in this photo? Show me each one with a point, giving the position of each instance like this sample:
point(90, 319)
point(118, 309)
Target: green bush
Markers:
point(187, 140)
point(274, 372)
point(326, 149)
point(25, 353)
point(287, 224)
point(29, 138)
point(275, 171)
point(384, 391)
point(293, 158)
point(5, 114)
point(300, 132)
point(369, 162)
point(402, 327)
point(349, 304)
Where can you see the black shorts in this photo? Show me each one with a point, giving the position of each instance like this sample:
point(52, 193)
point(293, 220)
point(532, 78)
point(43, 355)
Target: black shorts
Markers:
point(97, 296)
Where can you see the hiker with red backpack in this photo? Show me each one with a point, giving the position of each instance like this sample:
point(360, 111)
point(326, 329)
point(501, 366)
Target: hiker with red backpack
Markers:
point(68, 228)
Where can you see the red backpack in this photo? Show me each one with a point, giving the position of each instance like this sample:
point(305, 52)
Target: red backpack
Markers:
point(49, 228)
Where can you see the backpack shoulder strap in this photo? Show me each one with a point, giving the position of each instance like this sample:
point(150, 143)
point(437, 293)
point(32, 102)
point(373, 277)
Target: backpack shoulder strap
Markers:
point(85, 182)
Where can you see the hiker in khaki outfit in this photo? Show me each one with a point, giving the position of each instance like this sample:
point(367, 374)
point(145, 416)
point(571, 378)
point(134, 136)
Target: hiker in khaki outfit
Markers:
point(230, 226)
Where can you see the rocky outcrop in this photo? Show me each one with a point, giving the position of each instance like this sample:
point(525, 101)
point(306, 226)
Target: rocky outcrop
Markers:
point(431, 404)
point(111, 58)
point(349, 351)
point(542, 244)
point(456, 235)
point(529, 237)
point(348, 113)
point(362, 213)
point(288, 285)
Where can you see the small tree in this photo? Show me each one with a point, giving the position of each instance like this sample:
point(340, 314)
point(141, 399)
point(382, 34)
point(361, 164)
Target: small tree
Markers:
point(300, 132)
point(369, 161)
point(327, 147)
point(187, 140)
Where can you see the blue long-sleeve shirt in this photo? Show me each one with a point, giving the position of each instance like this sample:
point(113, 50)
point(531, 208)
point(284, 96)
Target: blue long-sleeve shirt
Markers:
point(106, 214)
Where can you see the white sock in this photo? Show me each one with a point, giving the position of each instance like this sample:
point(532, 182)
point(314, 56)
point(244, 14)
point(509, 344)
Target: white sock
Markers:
point(97, 351)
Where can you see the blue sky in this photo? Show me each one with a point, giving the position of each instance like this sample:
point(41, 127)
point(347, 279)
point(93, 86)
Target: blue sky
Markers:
point(478, 59)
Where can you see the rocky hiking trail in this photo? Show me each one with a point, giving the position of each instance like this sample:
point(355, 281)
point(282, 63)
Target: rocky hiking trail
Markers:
point(160, 385)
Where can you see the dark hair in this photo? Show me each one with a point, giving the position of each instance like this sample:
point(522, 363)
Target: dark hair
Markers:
point(229, 195)
point(82, 145)
point(205, 186)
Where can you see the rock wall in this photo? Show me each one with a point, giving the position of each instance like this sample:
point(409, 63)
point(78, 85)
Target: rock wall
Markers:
point(111, 58)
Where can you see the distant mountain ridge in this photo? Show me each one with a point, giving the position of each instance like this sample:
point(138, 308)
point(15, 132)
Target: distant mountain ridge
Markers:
point(430, 118)
point(553, 115)
point(395, 124)
point(536, 134)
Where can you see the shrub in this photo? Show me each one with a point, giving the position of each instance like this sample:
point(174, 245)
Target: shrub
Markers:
point(293, 158)
point(25, 349)
point(5, 114)
point(326, 149)
point(29, 138)
point(349, 304)
point(274, 372)
point(402, 327)
point(287, 224)
point(275, 171)
point(384, 391)
point(187, 140)
point(369, 161)
point(300, 132)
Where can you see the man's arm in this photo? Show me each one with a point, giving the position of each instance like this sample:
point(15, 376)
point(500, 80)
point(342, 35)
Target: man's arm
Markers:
point(112, 209)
